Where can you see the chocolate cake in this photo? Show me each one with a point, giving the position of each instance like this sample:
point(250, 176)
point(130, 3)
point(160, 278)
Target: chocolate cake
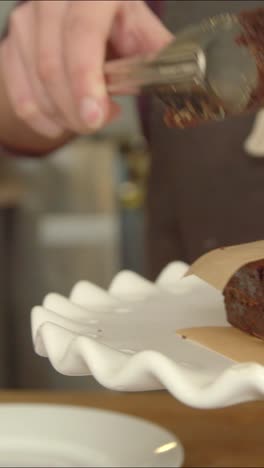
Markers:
point(244, 299)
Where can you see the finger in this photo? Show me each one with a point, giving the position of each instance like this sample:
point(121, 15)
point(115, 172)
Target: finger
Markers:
point(23, 30)
point(49, 57)
point(139, 30)
point(86, 33)
point(21, 94)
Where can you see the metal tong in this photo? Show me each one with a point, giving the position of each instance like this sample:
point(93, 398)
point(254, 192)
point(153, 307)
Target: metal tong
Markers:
point(203, 60)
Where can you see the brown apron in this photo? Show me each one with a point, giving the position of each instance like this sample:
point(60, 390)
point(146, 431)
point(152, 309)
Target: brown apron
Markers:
point(205, 191)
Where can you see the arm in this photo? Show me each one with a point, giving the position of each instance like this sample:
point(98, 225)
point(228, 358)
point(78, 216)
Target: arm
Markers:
point(50, 90)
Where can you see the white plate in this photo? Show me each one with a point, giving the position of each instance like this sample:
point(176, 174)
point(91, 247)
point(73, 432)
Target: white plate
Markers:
point(126, 338)
point(50, 435)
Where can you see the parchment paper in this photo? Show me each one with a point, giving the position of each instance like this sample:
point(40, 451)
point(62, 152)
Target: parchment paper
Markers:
point(216, 268)
point(229, 342)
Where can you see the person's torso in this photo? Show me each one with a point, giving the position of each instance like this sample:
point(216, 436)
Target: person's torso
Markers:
point(204, 187)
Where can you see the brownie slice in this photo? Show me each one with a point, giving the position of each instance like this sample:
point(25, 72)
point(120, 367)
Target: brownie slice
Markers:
point(244, 299)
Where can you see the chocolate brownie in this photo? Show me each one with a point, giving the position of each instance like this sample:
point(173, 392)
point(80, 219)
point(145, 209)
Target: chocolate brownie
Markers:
point(244, 299)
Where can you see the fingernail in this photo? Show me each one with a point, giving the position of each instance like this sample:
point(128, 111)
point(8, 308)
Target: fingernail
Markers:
point(92, 113)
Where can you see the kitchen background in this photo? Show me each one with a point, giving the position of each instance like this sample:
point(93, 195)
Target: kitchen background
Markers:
point(80, 213)
point(77, 214)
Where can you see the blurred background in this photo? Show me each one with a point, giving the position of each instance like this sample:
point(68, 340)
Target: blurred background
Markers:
point(98, 206)
point(77, 214)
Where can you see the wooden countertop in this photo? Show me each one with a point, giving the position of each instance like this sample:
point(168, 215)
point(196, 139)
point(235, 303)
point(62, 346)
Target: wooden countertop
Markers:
point(232, 437)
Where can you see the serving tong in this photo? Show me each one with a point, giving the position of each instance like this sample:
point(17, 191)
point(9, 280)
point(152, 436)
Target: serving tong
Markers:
point(204, 71)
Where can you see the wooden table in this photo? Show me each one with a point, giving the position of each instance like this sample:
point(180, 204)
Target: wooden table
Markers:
point(232, 437)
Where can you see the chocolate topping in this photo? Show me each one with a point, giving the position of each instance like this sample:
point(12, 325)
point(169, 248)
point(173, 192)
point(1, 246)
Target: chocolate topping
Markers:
point(253, 38)
point(190, 109)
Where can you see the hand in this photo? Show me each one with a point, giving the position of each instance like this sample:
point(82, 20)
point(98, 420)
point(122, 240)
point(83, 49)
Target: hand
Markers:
point(52, 59)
